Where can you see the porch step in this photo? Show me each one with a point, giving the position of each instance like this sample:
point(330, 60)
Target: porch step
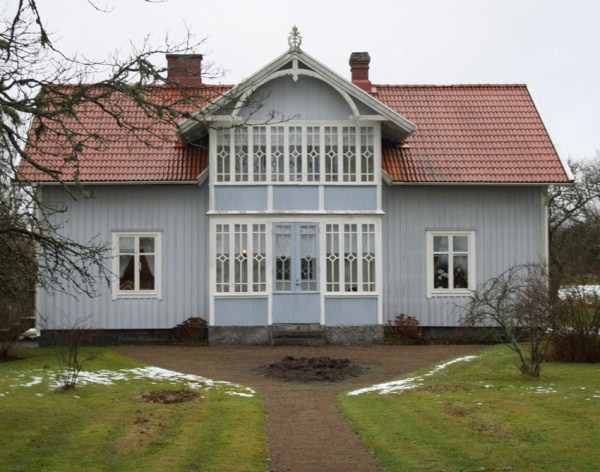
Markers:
point(297, 335)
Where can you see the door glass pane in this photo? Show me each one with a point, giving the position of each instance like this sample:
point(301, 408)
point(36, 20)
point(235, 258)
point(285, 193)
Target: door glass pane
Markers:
point(283, 257)
point(308, 258)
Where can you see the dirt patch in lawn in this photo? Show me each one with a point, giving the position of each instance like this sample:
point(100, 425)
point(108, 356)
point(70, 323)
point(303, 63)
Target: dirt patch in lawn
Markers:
point(311, 369)
point(304, 428)
point(168, 396)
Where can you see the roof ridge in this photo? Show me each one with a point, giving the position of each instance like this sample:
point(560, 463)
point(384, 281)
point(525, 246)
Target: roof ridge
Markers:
point(515, 85)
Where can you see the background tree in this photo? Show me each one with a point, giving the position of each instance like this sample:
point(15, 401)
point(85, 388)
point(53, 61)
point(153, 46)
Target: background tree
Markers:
point(574, 227)
point(39, 117)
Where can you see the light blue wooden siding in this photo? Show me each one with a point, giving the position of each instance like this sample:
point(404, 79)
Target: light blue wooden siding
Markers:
point(304, 99)
point(242, 198)
point(508, 225)
point(296, 308)
point(295, 198)
point(179, 211)
point(241, 311)
point(350, 311)
point(351, 198)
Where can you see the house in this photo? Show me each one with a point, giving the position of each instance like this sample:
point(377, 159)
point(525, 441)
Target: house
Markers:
point(311, 200)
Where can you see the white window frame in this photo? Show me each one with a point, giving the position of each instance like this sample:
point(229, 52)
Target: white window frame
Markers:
point(245, 270)
point(117, 293)
point(471, 264)
point(355, 148)
point(359, 234)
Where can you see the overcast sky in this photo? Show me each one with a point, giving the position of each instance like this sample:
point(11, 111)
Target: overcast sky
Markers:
point(553, 46)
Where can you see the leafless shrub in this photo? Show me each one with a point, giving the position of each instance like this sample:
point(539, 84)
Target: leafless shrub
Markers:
point(518, 303)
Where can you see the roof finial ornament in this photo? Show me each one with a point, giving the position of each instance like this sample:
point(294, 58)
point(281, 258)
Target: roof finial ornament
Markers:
point(294, 39)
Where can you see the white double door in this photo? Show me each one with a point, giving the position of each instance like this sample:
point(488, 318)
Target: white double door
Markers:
point(296, 273)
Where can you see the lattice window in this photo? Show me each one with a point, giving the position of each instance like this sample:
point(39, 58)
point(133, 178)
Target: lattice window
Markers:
point(241, 258)
point(350, 258)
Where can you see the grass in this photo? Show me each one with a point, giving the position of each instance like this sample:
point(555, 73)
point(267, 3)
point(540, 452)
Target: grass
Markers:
point(479, 415)
point(106, 427)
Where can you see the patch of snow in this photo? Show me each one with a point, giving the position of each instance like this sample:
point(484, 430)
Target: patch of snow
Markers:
point(409, 383)
point(109, 377)
point(579, 291)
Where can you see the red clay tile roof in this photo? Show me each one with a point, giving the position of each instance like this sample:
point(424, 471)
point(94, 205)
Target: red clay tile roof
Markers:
point(466, 134)
point(151, 153)
point(470, 133)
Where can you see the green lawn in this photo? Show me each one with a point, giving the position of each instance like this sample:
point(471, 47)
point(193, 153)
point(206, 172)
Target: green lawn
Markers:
point(479, 415)
point(106, 427)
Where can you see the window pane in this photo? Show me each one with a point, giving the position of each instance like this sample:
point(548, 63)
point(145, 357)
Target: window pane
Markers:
point(277, 153)
point(331, 154)
point(313, 153)
point(295, 153)
point(461, 272)
point(350, 258)
point(126, 272)
point(241, 258)
point(126, 244)
point(367, 153)
point(222, 262)
point(440, 243)
point(223, 155)
point(368, 257)
point(259, 153)
point(147, 272)
point(241, 154)
point(461, 243)
point(349, 154)
point(440, 271)
point(147, 245)
point(259, 259)
point(333, 258)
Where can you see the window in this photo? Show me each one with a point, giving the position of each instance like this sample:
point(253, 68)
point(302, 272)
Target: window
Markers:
point(350, 258)
point(137, 265)
point(295, 154)
point(450, 262)
point(241, 258)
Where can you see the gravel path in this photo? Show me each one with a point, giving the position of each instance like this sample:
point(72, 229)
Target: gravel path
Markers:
point(305, 431)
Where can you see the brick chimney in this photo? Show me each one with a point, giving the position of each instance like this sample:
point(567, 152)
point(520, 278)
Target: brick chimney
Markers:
point(359, 67)
point(185, 69)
